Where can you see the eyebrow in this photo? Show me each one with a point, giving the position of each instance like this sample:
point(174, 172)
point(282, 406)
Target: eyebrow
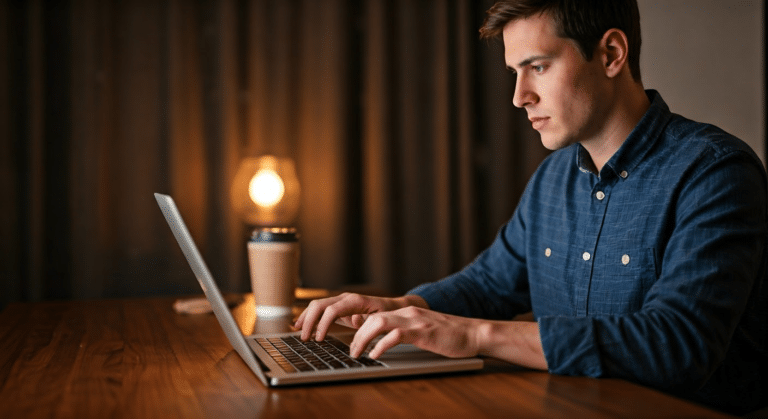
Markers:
point(529, 60)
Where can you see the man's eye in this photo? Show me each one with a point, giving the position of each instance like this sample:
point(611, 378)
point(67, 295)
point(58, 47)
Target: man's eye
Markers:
point(538, 68)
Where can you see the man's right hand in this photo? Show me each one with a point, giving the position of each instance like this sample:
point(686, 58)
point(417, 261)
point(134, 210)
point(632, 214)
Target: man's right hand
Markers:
point(349, 310)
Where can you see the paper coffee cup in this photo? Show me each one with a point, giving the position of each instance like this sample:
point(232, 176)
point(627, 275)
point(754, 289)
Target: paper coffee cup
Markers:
point(273, 255)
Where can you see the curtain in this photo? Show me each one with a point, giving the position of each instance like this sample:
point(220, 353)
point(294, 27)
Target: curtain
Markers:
point(409, 152)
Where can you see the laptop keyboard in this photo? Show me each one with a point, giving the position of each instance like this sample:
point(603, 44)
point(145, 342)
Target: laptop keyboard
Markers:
point(293, 355)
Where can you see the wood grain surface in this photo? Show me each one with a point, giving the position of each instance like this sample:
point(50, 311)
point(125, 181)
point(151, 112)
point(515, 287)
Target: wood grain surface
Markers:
point(138, 358)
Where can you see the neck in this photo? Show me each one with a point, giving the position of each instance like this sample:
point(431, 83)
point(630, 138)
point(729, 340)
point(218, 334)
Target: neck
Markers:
point(623, 113)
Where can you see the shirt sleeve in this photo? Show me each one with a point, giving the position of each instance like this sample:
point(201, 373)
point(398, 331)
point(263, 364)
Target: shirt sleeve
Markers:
point(712, 264)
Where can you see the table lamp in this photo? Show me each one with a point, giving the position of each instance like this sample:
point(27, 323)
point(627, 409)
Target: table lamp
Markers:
point(265, 193)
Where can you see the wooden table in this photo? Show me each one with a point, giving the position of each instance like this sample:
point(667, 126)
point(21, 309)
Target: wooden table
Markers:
point(140, 359)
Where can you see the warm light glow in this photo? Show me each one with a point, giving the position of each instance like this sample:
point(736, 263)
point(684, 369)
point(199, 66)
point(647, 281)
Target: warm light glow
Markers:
point(266, 188)
point(265, 191)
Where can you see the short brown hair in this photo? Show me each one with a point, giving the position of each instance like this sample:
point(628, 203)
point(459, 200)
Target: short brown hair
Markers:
point(584, 21)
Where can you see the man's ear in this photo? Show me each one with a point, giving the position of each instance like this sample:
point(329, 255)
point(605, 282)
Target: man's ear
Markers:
point(614, 50)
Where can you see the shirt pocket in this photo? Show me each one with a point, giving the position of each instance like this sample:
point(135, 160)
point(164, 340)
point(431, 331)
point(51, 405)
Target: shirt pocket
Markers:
point(554, 280)
point(621, 279)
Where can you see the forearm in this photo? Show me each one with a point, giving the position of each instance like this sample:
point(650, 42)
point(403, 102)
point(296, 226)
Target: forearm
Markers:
point(517, 342)
point(513, 341)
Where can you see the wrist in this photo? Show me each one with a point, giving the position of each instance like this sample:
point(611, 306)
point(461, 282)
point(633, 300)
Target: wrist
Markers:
point(484, 333)
point(512, 341)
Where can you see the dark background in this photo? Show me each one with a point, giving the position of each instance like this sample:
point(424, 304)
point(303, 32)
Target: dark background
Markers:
point(408, 149)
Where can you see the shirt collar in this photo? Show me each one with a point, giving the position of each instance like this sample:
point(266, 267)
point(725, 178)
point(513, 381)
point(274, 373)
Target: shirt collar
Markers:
point(640, 140)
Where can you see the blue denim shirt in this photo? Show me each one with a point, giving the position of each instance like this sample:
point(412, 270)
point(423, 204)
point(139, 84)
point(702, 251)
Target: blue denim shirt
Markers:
point(652, 270)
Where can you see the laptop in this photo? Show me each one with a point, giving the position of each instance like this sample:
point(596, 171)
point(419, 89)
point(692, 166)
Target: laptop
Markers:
point(283, 359)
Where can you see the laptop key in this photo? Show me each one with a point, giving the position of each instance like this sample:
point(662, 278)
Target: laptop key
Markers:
point(368, 362)
point(304, 367)
point(286, 366)
point(294, 355)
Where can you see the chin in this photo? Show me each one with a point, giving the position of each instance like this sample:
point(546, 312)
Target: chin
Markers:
point(553, 143)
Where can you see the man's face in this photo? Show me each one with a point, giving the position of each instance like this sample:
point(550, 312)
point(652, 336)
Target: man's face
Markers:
point(561, 91)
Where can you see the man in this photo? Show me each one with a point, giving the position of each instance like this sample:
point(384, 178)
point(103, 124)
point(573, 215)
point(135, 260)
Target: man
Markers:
point(639, 245)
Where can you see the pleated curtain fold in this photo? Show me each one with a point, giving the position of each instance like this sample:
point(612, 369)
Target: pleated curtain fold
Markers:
point(408, 149)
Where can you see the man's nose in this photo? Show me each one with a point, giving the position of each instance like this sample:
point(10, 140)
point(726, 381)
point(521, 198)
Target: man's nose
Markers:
point(524, 95)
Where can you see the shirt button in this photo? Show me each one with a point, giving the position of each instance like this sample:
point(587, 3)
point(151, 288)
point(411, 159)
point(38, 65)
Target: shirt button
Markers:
point(600, 195)
point(548, 252)
point(625, 259)
point(586, 256)
point(623, 174)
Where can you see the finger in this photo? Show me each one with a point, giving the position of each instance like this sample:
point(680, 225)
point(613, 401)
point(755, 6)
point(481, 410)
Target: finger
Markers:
point(374, 325)
point(336, 312)
point(390, 340)
point(300, 320)
point(357, 320)
point(306, 324)
point(311, 314)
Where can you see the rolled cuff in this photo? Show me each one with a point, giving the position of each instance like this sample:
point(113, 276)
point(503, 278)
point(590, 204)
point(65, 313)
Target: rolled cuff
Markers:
point(570, 345)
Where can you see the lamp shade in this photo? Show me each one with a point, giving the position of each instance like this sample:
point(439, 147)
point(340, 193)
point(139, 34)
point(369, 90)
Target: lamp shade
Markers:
point(265, 191)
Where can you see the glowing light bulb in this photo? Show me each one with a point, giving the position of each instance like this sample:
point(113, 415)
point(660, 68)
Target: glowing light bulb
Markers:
point(266, 188)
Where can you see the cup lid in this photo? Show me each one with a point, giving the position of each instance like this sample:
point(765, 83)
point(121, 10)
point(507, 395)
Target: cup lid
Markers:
point(274, 234)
